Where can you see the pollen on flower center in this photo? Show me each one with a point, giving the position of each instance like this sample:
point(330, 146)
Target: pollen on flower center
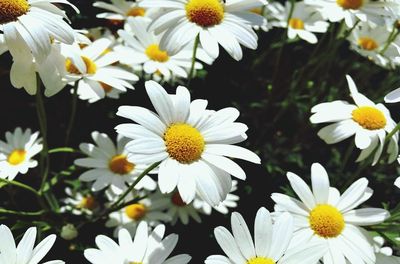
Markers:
point(369, 117)
point(205, 13)
point(154, 53)
point(16, 157)
point(296, 23)
point(350, 4)
point(367, 43)
point(326, 221)
point(88, 202)
point(120, 165)
point(91, 67)
point(136, 12)
point(107, 88)
point(176, 199)
point(136, 211)
point(10, 10)
point(260, 260)
point(184, 143)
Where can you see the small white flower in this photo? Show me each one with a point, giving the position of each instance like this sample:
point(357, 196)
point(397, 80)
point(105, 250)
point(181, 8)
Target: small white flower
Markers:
point(144, 249)
point(17, 152)
point(79, 204)
point(369, 122)
point(25, 252)
point(120, 10)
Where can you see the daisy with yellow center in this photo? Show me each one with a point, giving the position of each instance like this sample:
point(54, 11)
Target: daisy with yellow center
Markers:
point(144, 48)
point(369, 122)
point(120, 10)
point(352, 11)
point(78, 203)
point(270, 244)
point(94, 70)
point(17, 151)
point(191, 142)
point(325, 217)
point(228, 23)
point(109, 165)
point(303, 23)
point(181, 211)
point(150, 210)
point(145, 248)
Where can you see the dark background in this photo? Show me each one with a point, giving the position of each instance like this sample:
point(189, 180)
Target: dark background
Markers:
point(261, 87)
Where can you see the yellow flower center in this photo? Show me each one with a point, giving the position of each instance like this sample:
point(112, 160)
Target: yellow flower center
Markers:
point(87, 202)
point(136, 11)
point(184, 143)
point(135, 262)
point(154, 53)
point(296, 23)
point(107, 88)
point(120, 165)
point(326, 221)
point(205, 13)
point(136, 211)
point(369, 117)
point(91, 67)
point(257, 10)
point(367, 43)
point(176, 199)
point(350, 4)
point(10, 10)
point(16, 157)
point(260, 260)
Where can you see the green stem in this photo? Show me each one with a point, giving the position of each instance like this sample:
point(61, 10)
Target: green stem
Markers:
point(73, 114)
point(394, 131)
point(21, 213)
point(44, 154)
point(393, 35)
point(191, 73)
point(21, 185)
point(63, 150)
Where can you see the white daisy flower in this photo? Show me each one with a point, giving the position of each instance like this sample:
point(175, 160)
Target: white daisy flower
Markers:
point(397, 182)
point(178, 209)
point(17, 152)
point(270, 242)
point(144, 249)
point(223, 208)
point(78, 203)
point(25, 252)
point(228, 23)
point(143, 48)
point(190, 142)
point(326, 217)
point(304, 22)
point(110, 166)
point(369, 122)
point(353, 10)
point(150, 210)
point(92, 68)
point(32, 24)
point(384, 255)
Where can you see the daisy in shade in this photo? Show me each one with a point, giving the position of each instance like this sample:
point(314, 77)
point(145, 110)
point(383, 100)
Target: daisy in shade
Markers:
point(270, 242)
point(25, 252)
point(191, 142)
point(79, 203)
point(303, 23)
point(149, 210)
point(179, 210)
point(92, 67)
point(109, 166)
point(17, 152)
point(324, 216)
point(143, 48)
point(223, 208)
point(145, 248)
point(369, 122)
point(353, 10)
point(32, 24)
point(228, 23)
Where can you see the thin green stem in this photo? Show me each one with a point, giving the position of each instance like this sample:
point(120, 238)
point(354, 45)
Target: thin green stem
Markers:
point(73, 114)
point(21, 213)
point(63, 150)
point(44, 154)
point(191, 72)
point(391, 133)
point(21, 185)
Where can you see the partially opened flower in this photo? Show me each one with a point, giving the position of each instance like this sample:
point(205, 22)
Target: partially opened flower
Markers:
point(384, 254)
point(109, 166)
point(145, 248)
point(324, 216)
point(191, 143)
point(25, 252)
point(228, 23)
point(17, 152)
point(78, 203)
point(270, 244)
point(369, 122)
